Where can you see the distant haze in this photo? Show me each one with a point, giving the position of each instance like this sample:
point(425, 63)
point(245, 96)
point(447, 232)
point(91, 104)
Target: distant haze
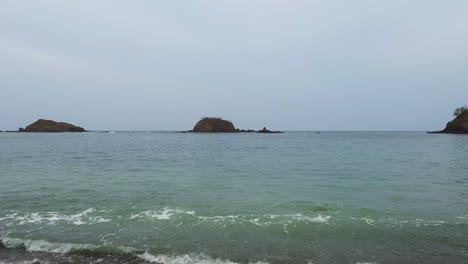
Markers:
point(286, 65)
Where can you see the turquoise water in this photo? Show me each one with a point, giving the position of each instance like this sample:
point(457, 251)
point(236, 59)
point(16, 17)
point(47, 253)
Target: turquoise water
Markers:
point(298, 197)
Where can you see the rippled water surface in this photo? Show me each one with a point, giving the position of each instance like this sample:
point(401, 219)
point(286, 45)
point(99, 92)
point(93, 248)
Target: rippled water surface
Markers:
point(298, 197)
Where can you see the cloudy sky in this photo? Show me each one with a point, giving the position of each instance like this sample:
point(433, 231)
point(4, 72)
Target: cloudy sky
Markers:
point(292, 65)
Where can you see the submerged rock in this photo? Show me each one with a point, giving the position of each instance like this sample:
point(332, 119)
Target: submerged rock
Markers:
point(459, 125)
point(214, 125)
point(43, 125)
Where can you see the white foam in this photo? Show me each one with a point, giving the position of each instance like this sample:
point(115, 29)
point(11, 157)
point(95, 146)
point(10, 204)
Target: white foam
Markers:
point(24, 262)
point(91, 216)
point(416, 222)
point(420, 222)
point(463, 217)
point(368, 221)
point(186, 259)
point(51, 218)
point(222, 220)
point(60, 248)
point(318, 219)
point(164, 214)
point(44, 246)
point(63, 248)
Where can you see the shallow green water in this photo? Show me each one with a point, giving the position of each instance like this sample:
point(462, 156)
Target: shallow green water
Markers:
point(298, 197)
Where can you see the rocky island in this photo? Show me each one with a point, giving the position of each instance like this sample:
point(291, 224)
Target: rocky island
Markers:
point(459, 125)
point(219, 125)
point(213, 125)
point(43, 125)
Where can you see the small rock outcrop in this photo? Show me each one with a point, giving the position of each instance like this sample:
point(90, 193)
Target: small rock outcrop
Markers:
point(43, 125)
point(266, 131)
point(245, 130)
point(213, 125)
point(459, 125)
point(218, 125)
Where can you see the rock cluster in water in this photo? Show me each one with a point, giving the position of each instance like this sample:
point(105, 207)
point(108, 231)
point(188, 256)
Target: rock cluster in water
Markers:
point(218, 125)
point(43, 125)
point(459, 125)
point(266, 131)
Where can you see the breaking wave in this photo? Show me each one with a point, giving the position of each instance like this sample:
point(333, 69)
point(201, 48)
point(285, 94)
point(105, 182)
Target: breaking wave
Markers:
point(180, 217)
point(164, 214)
point(34, 261)
point(260, 220)
point(51, 218)
point(66, 248)
point(45, 246)
point(392, 222)
point(187, 259)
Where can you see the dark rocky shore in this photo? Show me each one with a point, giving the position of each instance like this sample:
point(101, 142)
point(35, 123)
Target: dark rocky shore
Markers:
point(459, 125)
point(218, 125)
point(43, 125)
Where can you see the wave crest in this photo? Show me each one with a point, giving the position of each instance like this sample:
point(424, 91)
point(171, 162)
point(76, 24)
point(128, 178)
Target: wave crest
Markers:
point(63, 248)
point(66, 248)
point(45, 246)
point(187, 259)
point(259, 220)
point(51, 218)
point(164, 214)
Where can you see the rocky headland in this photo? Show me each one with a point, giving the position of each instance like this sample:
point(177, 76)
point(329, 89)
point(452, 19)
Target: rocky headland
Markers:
point(219, 125)
point(459, 125)
point(43, 125)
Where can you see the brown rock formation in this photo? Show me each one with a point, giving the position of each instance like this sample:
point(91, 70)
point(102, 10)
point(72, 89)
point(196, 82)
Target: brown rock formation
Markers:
point(214, 125)
point(459, 125)
point(218, 125)
point(43, 125)
point(266, 131)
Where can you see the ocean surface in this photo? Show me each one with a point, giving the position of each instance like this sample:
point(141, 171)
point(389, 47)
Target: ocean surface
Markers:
point(298, 197)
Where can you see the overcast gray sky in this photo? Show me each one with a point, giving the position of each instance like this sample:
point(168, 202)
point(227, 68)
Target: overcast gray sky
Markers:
point(292, 65)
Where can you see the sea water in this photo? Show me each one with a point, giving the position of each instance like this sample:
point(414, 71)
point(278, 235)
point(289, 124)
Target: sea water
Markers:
point(297, 197)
